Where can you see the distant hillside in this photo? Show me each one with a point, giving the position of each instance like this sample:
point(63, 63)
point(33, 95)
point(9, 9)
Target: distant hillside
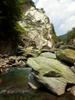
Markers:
point(69, 37)
point(63, 37)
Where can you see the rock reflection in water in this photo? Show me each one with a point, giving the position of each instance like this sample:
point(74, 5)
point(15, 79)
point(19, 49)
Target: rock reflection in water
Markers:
point(36, 96)
point(8, 90)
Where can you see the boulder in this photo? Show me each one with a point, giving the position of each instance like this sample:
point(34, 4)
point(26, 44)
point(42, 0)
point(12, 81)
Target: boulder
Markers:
point(72, 91)
point(52, 73)
point(48, 55)
point(66, 55)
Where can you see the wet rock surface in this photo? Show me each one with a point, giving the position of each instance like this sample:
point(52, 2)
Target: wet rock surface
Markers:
point(73, 90)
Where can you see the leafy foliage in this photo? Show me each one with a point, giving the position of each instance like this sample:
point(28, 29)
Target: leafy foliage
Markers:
point(9, 15)
point(68, 37)
point(26, 1)
point(71, 34)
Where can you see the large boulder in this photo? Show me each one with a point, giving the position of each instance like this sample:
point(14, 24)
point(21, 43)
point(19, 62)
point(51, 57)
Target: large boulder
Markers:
point(52, 73)
point(66, 55)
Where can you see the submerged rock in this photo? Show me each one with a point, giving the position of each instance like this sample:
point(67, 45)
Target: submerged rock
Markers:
point(73, 68)
point(52, 73)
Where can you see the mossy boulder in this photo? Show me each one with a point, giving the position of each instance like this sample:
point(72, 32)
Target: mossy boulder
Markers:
point(52, 73)
point(66, 55)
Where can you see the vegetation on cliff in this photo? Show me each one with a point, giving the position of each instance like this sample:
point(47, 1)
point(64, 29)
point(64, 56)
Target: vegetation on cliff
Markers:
point(69, 37)
point(10, 14)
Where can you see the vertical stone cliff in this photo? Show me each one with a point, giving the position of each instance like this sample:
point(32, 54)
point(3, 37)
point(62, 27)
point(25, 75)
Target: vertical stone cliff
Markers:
point(37, 27)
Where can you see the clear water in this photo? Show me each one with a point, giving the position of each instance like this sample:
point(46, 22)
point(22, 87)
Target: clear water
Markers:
point(16, 80)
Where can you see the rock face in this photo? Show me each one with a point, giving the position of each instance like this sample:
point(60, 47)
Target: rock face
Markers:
point(37, 27)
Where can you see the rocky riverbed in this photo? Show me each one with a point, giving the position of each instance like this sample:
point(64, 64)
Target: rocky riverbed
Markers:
point(44, 73)
point(35, 69)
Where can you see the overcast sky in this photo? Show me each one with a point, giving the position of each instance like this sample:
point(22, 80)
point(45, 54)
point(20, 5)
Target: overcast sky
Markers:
point(60, 12)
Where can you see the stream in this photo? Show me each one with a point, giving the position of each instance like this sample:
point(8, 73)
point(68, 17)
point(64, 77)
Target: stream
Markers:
point(14, 86)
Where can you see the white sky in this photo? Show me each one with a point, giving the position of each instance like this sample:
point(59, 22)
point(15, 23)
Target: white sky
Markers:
point(60, 12)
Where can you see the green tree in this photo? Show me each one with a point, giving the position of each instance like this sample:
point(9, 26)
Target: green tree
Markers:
point(71, 35)
point(10, 13)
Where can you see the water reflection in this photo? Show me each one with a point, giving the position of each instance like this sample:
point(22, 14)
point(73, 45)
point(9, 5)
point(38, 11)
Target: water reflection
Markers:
point(36, 96)
point(16, 80)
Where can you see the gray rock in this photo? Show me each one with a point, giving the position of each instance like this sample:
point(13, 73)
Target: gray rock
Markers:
point(66, 55)
point(72, 90)
point(73, 68)
point(48, 55)
point(33, 82)
point(52, 73)
point(56, 85)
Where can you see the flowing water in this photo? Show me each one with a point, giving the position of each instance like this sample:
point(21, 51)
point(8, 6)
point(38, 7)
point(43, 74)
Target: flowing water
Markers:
point(13, 86)
point(36, 96)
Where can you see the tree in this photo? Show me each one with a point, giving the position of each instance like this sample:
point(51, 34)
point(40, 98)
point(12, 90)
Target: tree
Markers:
point(71, 35)
point(10, 13)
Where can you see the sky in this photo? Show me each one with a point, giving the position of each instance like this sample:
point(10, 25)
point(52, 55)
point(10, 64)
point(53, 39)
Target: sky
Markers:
point(60, 12)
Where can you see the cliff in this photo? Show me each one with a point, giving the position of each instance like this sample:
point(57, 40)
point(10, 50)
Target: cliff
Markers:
point(33, 29)
point(37, 29)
